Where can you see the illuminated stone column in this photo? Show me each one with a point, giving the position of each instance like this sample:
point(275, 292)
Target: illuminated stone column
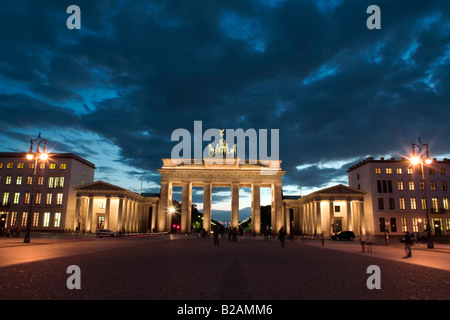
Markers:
point(120, 215)
point(349, 216)
point(235, 205)
point(362, 217)
point(107, 209)
point(256, 208)
point(207, 199)
point(318, 218)
point(186, 206)
point(331, 216)
point(287, 220)
point(165, 202)
point(90, 214)
point(154, 214)
point(77, 213)
point(326, 224)
point(277, 200)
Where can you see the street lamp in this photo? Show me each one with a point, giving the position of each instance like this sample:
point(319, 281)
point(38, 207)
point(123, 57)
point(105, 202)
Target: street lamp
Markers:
point(30, 156)
point(420, 159)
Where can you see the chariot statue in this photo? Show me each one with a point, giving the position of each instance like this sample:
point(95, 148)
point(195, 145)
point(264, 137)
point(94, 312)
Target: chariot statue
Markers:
point(222, 147)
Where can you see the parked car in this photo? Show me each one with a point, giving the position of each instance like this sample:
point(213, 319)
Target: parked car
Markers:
point(105, 233)
point(343, 235)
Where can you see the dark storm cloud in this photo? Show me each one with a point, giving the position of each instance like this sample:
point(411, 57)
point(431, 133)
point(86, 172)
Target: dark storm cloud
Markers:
point(137, 70)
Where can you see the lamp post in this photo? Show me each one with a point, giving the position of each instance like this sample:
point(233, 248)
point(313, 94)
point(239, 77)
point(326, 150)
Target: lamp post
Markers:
point(34, 155)
point(420, 159)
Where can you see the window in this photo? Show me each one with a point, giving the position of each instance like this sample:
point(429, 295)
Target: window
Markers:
point(433, 186)
point(413, 204)
point(61, 182)
point(36, 219)
point(404, 226)
point(442, 170)
point(382, 224)
point(424, 203)
point(46, 219)
point(391, 203)
point(399, 170)
point(24, 218)
point(13, 218)
point(31, 165)
point(8, 180)
point(400, 185)
point(16, 197)
point(431, 170)
point(57, 219)
point(51, 181)
point(26, 199)
point(5, 198)
point(444, 186)
point(393, 225)
point(20, 165)
point(445, 203)
point(402, 203)
point(38, 198)
point(380, 204)
point(59, 198)
point(411, 185)
point(410, 171)
point(62, 166)
point(83, 173)
point(422, 186)
point(384, 186)
point(434, 202)
point(52, 166)
point(101, 204)
point(42, 166)
point(19, 180)
point(337, 208)
point(40, 181)
point(29, 180)
point(389, 170)
point(415, 222)
point(10, 165)
point(49, 198)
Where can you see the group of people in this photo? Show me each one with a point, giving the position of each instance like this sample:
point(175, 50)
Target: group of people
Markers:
point(237, 235)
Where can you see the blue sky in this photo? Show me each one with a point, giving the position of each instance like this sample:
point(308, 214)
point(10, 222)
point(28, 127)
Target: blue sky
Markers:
point(115, 90)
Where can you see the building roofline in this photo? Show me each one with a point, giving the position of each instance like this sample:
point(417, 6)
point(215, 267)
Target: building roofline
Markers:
point(388, 160)
point(51, 155)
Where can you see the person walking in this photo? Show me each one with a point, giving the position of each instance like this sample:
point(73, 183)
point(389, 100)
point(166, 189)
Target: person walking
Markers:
point(216, 236)
point(282, 236)
point(408, 245)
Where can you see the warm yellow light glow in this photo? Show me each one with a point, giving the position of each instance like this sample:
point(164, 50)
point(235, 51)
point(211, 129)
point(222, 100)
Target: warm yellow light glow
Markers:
point(428, 161)
point(415, 160)
point(44, 156)
point(29, 156)
point(171, 210)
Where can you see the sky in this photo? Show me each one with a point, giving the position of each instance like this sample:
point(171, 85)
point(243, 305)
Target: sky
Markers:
point(116, 89)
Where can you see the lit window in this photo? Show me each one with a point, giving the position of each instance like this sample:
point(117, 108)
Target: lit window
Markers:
point(36, 219)
point(49, 198)
point(46, 219)
point(42, 166)
point(442, 170)
point(399, 170)
point(31, 165)
point(415, 224)
point(8, 180)
point(434, 201)
point(5, 198)
point(445, 203)
point(26, 199)
point(13, 218)
point(1, 165)
point(61, 182)
point(59, 198)
point(444, 186)
point(51, 181)
point(19, 180)
point(101, 205)
point(410, 171)
point(16, 197)
point(57, 219)
point(411, 185)
point(377, 170)
point(389, 170)
point(431, 171)
point(62, 166)
point(38, 198)
point(24, 218)
point(404, 226)
point(29, 180)
point(402, 203)
point(40, 181)
point(433, 186)
point(413, 204)
point(52, 166)
point(424, 203)
point(10, 165)
point(20, 165)
point(422, 185)
point(400, 185)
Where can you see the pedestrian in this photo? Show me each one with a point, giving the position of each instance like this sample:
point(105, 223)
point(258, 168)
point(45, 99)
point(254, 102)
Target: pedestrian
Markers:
point(216, 236)
point(408, 245)
point(241, 234)
point(322, 239)
point(363, 242)
point(386, 237)
point(282, 236)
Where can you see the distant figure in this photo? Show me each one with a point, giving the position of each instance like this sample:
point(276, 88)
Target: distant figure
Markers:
point(322, 239)
point(363, 242)
point(408, 245)
point(386, 237)
point(282, 236)
point(241, 234)
point(216, 236)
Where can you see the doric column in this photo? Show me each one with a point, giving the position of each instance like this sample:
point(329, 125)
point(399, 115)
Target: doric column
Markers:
point(154, 214)
point(235, 205)
point(77, 213)
point(90, 214)
point(349, 216)
point(287, 220)
point(207, 199)
point(107, 208)
point(186, 206)
point(331, 216)
point(256, 208)
point(362, 217)
point(120, 215)
point(318, 214)
point(277, 199)
point(165, 199)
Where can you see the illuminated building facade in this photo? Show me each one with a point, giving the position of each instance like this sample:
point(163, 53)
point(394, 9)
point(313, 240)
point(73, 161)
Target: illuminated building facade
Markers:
point(50, 193)
point(397, 195)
